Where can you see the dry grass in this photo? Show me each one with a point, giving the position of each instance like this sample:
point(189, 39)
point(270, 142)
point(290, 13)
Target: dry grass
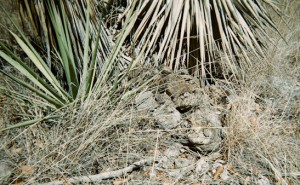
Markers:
point(261, 123)
point(263, 114)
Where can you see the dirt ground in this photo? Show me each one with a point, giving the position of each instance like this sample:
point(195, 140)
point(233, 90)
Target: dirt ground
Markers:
point(174, 132)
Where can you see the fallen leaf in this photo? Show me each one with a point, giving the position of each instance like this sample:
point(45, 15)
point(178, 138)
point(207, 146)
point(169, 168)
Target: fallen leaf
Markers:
point(27, 170)
point(218, 172)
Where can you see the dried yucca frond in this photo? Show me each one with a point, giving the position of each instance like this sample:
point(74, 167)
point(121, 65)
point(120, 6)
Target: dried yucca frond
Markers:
point(188, 32)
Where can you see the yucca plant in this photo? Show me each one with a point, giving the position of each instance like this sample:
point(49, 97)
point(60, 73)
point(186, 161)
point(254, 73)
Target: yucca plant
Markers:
point(189, 32)
point(36, 15)
point(85, 75)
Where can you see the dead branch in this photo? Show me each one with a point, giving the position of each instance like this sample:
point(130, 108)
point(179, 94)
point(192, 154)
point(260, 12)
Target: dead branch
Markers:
point(102, 176)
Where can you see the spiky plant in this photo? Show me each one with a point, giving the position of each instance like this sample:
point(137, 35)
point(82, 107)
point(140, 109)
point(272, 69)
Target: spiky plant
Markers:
point(36, 16)
point(178, 33)
point(188, 32)
point(83, 76)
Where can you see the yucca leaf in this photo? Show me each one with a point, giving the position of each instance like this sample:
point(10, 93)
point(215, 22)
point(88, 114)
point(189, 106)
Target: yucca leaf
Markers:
point(92, 69)
point(44, 96)
point(29, 73)
point(107, 68)
point(28, 123)
point(42, 66)
point(84, 79)
point(58, 21)
point(198, 28)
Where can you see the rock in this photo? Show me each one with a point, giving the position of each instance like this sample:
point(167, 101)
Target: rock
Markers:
point(166, 163)
point(202, 166)
point(164, 99)
point(5, 172)
point(263, 181)
point(182, 162)
point(145, 101)
point(167, 117)
point(174, 173)
point(206, 179)
point(173, 151)
point(187, 101)
point(175, 85)
point(205, 139)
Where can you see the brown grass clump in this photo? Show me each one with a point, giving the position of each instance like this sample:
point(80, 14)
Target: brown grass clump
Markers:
point(262, 122)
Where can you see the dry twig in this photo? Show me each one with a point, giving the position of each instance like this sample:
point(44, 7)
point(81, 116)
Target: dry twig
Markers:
point(102, 176)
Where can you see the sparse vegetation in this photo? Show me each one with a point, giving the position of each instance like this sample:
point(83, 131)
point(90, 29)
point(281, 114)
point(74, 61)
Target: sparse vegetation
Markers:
point(80, 116)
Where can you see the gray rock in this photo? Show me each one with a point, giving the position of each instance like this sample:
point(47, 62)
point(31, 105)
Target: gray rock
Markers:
point(203, 137)
point(206, 179)
point(145, 101)
point(167, 117)
point(166, 163)
point(182, 162)
point(206, 140)
point(187, 101)
point(173, 151)
point(164, 99)
point(202, 166)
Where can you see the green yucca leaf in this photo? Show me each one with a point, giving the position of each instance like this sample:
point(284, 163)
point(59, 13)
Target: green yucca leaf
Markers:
point(28, 123)
point(50, 100)
point(86, 57)
point(108, 65)
point(92, 69)
point(29, 73)
point(58, 21)
point(42, 66)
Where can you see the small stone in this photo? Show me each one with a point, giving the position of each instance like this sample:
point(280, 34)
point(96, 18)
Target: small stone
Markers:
point(206, 179)
point(187, 101)
point(145, 101)
point(166, 163)
point(167, 117)
point(182, 162)
point(174, 173)
point(173, 151)
point(202, 166)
